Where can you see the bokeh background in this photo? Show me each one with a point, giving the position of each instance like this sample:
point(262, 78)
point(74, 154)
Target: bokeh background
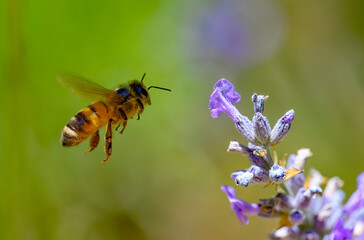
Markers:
point(163, 180)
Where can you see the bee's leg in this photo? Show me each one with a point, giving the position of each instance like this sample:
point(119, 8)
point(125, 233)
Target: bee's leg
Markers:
point(124, 120)
point(141, 107)
point(94, 141)
point(117, 127)
point(108, 140)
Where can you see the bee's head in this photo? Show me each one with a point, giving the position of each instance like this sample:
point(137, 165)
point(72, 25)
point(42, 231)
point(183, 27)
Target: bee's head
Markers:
point(140, 91)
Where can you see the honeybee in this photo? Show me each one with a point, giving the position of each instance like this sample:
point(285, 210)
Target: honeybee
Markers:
point(114, 107)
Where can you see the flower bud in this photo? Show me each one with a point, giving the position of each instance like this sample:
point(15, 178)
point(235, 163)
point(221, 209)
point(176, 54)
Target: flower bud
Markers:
point(245, 127)
point(258, 101)
point(316, 179)
point(244, 178)
point(303, 198)
point(254, 175)
point(282, 127)
point(302, 155)
point(277, 174)
point(296, 216)
point(235, 146)
point(332, 186)
point(261, 128)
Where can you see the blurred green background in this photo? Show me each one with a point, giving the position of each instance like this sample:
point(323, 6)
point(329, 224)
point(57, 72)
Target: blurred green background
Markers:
point(163, 180)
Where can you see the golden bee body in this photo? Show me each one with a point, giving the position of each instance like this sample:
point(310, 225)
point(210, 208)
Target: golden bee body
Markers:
point(84, 123)
point(114, 107)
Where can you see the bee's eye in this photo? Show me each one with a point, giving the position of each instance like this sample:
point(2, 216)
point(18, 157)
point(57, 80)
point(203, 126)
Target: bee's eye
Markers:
point(122, 92)
point(142, 91)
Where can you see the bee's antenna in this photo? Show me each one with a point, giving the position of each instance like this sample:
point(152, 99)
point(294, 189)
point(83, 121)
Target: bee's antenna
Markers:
point(143, 77)
point(166, 89)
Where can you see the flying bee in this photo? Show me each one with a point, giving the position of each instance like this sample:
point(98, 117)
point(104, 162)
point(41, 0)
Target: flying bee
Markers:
point(114, 107)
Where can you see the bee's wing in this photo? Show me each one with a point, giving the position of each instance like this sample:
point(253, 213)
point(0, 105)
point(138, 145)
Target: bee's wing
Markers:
point(83, 87)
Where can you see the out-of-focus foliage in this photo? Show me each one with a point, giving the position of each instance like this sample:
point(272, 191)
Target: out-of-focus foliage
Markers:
point(163, 180)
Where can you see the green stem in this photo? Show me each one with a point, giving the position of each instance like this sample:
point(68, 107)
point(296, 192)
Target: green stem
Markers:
point(269, 156)
point(284, 188)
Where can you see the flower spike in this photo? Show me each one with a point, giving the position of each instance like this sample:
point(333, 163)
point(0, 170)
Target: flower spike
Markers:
point(306, 209)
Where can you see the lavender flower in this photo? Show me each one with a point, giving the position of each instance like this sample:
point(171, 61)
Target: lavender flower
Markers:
point(258, 130)
point(239, 206)
point(222, 100)
point(307, 209)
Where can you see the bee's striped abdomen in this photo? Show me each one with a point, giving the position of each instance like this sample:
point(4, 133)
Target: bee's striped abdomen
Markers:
point(85, 123)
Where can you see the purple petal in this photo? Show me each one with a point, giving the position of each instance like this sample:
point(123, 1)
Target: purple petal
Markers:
point(296, 216)
point(357, 198)
point(215, 100)
point(227, 90)
point(230, 192)
point(340, 232)
point(239, 206)
point(360, 181)
point(215, 113)
point(223, 99)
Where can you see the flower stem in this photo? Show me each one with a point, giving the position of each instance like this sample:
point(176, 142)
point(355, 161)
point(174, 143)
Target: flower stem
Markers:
point(284, 188)
point(269, 156)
